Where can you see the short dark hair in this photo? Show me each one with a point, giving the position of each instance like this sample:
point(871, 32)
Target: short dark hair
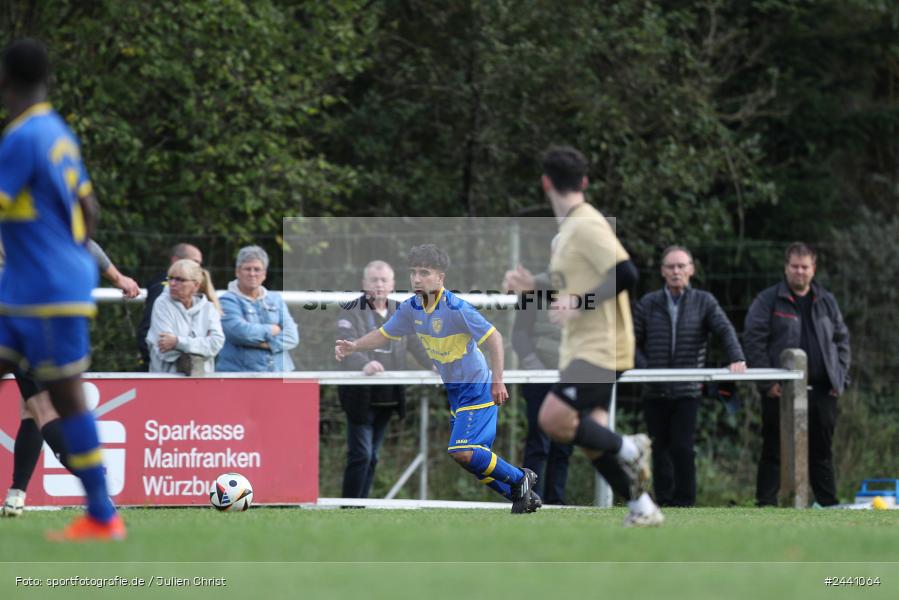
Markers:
point(429, 255)
point(565, 167)
point(26, 63)
point(800, 249)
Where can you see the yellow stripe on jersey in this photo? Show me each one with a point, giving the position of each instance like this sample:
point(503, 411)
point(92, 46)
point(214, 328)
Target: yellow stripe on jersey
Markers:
point(41, 108)
point(50, 372)
point(387, 335)
point(10, 355)
point(445, 349)
point(64, 148)
point(85, 189)
point(20, 209)
point(63, 309)
point(91, 458)
point(492, 464)
point(486, 335)
point(475, 407)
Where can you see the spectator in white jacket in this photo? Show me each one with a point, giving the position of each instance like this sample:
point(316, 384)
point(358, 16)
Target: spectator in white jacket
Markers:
point(186, 321)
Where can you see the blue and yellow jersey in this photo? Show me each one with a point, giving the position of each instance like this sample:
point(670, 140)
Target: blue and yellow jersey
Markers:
point(450, 331)
point(48, 270)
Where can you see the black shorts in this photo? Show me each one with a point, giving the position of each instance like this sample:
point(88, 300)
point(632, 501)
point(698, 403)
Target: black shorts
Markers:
point(28, 387)
point(585, 386)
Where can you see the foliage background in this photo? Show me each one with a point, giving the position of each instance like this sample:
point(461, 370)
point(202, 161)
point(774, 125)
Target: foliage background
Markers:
point(731, 127)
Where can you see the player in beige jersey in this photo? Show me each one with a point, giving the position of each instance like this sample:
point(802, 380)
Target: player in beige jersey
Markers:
point(590, 273)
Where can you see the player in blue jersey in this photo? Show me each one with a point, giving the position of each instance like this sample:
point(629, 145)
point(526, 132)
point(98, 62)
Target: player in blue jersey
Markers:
point(47, 209)
point(452, 331)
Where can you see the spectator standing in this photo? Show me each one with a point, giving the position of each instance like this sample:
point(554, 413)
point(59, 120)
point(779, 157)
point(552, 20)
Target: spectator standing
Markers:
point(370, 408)
point(154, 289)
point(186, 321)
point(672, 327)
point(799, 313)
point(536, 342)
point(259, 331)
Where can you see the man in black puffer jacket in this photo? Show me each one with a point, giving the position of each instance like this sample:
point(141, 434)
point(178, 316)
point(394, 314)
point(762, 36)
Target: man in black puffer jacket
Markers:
point(799, 313)
point(672, 326)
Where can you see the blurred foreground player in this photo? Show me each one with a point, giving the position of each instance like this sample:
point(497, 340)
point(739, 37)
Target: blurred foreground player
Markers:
point(591, 272)
point(451, 331)
point(47, 207)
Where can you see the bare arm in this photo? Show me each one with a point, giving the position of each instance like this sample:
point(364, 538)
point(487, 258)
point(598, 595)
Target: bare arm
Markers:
point(494, 344)
point(371, 340)
point(90, 210)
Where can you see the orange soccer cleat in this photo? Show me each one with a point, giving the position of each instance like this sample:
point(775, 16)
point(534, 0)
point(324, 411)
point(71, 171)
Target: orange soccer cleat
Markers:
point(85, 529)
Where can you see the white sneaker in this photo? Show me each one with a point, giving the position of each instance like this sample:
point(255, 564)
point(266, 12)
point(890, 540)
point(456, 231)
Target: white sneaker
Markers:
point(653, 518)
point(14, 503)
point(639, 470)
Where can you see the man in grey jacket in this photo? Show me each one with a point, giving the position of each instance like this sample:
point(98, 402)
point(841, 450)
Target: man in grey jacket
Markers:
point(672, 327)
point(799, 313)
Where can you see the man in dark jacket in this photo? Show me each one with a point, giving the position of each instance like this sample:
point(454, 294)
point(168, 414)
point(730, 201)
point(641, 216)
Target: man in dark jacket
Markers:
point(672, 326)
point(799, 313)
point(369, 408)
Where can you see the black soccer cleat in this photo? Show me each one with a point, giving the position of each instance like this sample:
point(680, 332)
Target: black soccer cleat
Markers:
point(524, 498)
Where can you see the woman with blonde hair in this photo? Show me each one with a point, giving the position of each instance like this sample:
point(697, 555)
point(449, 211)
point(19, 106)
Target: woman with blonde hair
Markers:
point(186, 321)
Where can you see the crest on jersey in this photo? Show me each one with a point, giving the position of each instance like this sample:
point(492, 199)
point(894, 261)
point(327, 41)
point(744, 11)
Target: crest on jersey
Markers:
point(436, 325)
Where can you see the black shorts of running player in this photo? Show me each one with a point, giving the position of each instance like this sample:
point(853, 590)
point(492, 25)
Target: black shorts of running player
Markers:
point(28, 387)
point(585, 386)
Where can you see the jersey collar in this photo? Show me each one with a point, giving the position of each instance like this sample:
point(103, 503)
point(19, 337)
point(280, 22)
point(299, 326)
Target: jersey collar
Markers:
point(41, 108)
point(433, 306)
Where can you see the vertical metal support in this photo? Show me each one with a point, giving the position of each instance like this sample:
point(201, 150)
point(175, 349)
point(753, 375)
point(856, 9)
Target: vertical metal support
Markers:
point(794, 430)
point(603, 493)
point(423, 447)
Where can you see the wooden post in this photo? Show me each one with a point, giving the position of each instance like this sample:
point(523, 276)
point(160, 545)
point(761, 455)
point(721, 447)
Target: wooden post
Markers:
point(794, 430)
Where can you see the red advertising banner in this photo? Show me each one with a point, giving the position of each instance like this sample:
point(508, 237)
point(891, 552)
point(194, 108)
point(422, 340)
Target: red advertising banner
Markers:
point(166, 440)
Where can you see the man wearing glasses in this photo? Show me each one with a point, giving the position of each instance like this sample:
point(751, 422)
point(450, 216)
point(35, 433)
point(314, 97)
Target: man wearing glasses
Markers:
point(370, 408)
point(672, 326)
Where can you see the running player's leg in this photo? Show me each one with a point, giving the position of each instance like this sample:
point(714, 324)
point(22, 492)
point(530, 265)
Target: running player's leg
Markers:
point(59, 349)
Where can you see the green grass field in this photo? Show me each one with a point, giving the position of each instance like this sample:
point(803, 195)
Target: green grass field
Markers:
point(467, 554)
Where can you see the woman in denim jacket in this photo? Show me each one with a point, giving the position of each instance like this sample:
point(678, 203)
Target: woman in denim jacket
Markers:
point(259, 331)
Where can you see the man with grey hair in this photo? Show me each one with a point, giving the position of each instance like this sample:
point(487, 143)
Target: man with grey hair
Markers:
point(672, 327)
point(259, 330)
point(370, 408)
point(154, 289)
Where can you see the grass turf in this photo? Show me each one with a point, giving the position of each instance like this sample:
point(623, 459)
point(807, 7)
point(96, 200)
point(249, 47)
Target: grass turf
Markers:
point(465, 554)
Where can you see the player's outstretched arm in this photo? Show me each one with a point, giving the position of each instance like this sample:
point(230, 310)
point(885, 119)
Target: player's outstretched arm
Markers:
point(90, 210)
point(369, 341)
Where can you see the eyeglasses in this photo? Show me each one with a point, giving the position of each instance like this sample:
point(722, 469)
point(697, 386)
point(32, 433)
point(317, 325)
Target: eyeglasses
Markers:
point(178, 279)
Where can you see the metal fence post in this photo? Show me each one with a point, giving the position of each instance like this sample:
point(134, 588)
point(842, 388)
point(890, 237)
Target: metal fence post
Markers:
point(423, 448)
point(794, 430)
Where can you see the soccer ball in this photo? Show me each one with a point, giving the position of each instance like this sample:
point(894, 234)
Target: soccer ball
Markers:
point(231, 492)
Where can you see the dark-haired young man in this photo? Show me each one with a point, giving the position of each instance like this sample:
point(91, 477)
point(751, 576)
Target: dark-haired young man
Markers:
point(799, 313)
point(48, 209)
point(591, 271)
point(451, 331)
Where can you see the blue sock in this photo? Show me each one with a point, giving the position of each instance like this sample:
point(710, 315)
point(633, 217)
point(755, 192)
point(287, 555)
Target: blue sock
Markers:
point(499, 487)
point(485, 462)
point(86, 461)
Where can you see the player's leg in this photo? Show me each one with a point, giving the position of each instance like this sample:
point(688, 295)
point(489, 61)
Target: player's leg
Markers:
point(59, 347)
point(10, 358)
point(471, 443)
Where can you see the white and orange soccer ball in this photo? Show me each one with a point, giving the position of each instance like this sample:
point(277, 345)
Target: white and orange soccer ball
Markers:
point(231, 492)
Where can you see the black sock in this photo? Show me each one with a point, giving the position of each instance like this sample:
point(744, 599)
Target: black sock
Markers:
point(55, 438)
point(25, 454)
point(611, 471)
point(594, 436)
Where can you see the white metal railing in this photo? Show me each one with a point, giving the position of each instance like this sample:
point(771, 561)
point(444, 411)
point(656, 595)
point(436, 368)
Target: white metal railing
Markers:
point(419, 462)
